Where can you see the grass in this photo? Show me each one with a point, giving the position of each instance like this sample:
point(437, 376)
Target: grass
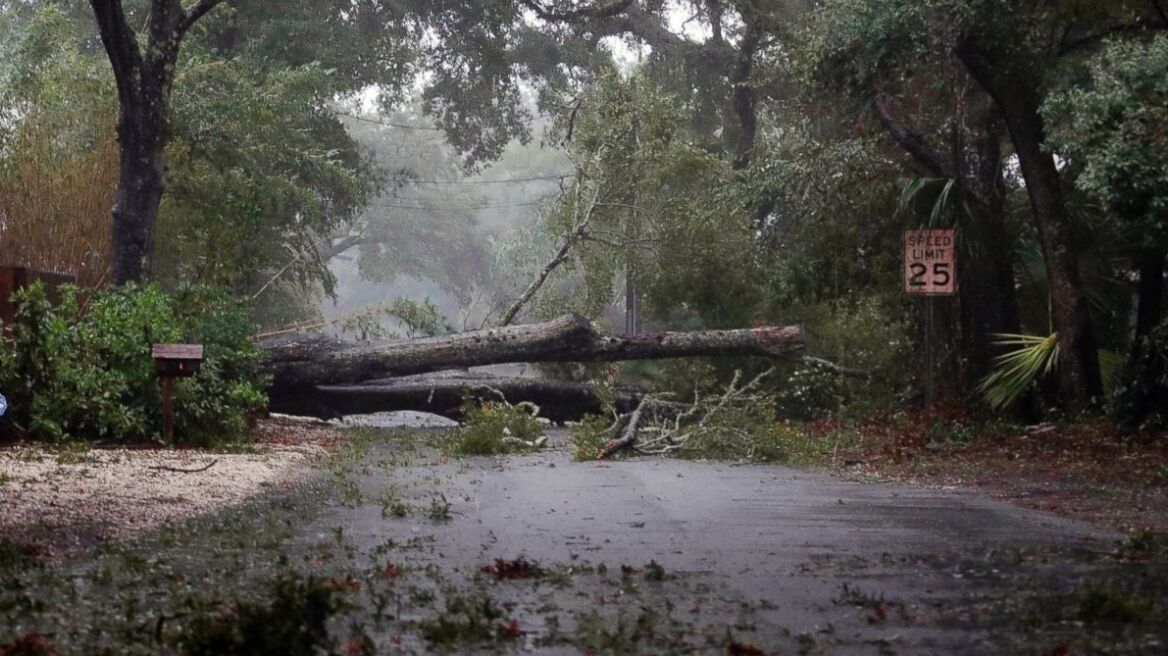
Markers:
point(654, 571)
point(1110, 604)
point(440, 509)
point(597, 634)
point(467, 620)
point(849, 596)
point(15, 556)
point(293, 620)
point(391, 505)
point(73, 453)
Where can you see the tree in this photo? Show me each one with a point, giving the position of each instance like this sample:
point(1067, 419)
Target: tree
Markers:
point(1014, 53)
point(476, 53)
point(1112, 129)
point(143, 77)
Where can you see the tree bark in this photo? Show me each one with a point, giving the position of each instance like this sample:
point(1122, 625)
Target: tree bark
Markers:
point(558, 401)
point(312, 360)
point(988, 303)
point(1150, 310)
point(143, 79)
point(1016, 95)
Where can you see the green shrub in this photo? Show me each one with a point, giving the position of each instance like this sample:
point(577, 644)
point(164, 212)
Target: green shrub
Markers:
point(867, 333)
point(80, 368)
point(748, 431)
point(590, 436)
point(495, 428)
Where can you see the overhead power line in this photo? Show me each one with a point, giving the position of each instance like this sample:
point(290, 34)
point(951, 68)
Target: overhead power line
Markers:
point(452, 207)
point(536, 178)
point(391, 124)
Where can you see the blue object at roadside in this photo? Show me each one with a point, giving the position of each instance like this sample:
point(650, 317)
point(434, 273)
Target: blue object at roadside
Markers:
point(3, 405)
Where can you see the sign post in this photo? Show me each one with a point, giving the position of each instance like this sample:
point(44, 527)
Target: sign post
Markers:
point(930, 269)
point(174, 361)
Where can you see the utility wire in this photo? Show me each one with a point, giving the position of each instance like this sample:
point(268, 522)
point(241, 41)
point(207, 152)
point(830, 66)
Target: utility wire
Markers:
point(451, 207)
point(391, 124)
point(537, 178)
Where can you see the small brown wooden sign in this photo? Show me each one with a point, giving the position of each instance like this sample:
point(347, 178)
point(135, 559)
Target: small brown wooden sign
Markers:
point(171, 361)
point(930, 262)
point(183, 358)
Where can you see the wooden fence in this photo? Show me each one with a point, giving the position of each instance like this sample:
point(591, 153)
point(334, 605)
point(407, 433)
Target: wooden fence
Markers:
point(13, 279)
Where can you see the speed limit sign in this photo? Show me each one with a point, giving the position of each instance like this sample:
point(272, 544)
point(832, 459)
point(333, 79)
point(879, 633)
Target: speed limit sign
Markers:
point(930, 263)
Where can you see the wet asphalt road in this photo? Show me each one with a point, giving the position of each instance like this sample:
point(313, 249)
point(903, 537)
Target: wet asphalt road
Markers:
point(791, 561)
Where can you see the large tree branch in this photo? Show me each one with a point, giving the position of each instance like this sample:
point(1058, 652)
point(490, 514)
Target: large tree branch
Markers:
point(330, 249)
point(120, 45)
point(445, 395)
point(1082, 41)
point(559, 258)
point(651, 29)
point(192, 15)
point(911, 142)
point(599, 11)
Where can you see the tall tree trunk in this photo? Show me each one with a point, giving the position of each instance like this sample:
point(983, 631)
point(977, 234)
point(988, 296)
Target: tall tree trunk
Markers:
point(306, 360)
point(742, 96)
point(141, 181)
point(1016, 95)
point(988, 302)
point(143, 77)
point(1150, 311)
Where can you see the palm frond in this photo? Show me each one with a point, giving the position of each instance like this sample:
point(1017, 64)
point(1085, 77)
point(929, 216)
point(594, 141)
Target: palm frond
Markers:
point(913, 190)
point(1015, 371)
point(1110, 365)
point(942, 203)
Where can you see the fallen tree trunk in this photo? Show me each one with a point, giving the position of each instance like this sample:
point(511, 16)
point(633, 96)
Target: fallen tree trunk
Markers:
point(558, 401)
point(305, 361)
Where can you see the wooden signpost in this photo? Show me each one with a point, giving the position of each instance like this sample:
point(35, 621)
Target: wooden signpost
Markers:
point(174, 361)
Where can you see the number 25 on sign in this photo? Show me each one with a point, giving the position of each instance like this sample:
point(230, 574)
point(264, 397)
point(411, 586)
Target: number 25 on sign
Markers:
point(930, 263)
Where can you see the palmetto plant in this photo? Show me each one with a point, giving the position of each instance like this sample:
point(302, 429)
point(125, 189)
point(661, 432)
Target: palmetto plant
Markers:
point(1033, 357)
point(917, 190)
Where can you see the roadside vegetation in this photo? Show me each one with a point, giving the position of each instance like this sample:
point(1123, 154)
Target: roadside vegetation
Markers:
point(226, 172)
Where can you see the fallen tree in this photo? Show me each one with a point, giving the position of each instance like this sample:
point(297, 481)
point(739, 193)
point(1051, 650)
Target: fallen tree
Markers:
point(558, 401)
point(302, 360)
point(315, 375)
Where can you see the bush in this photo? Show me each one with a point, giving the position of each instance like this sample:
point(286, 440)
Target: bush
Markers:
point(80, 368)
point(867, 333)
point(496, 427)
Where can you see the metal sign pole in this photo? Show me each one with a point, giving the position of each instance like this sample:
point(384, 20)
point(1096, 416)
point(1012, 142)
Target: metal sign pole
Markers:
point(929, 354)
point(930, 269)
